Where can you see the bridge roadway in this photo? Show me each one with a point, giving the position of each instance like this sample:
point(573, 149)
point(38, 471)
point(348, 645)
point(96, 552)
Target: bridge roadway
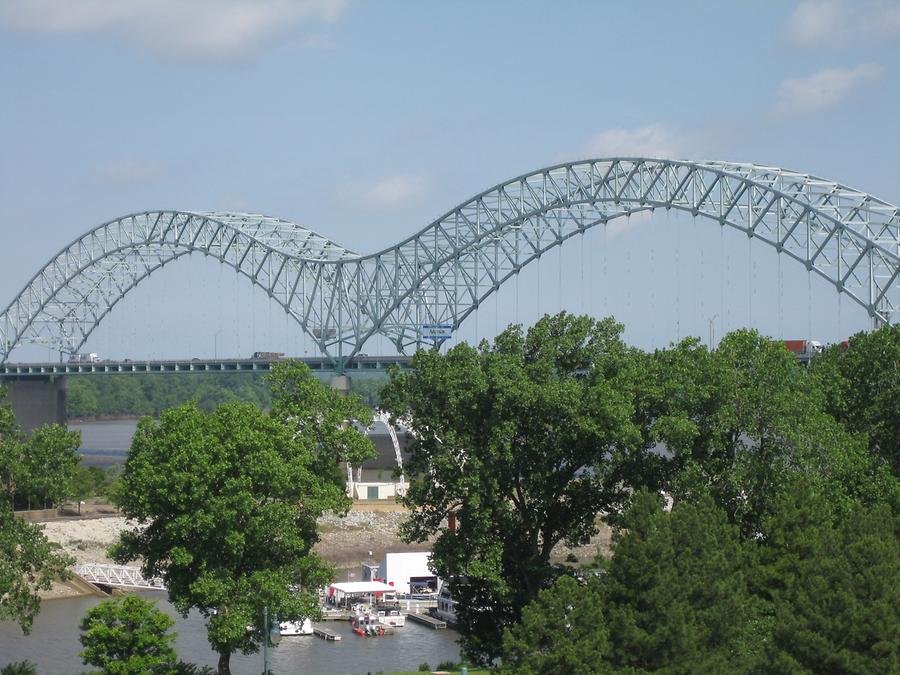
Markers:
point(359, 364)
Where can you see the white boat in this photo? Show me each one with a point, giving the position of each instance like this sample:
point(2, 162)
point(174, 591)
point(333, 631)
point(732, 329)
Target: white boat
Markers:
point(391, 617)
point(292, 628)
point(446, 606)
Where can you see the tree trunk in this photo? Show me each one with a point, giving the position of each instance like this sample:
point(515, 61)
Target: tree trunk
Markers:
point(224, 663)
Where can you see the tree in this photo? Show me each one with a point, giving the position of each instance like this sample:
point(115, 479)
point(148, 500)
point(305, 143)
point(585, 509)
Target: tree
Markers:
point(522, 442)
point(741, 421)
point(12, 469)
point(676, 592)
point(227, 502)
point(832, 584)
point(674, 598)
point(28, 564)
point(862, 387)
point(128, 636)
point(39, 469)
point(563, 630)
point(50, 459)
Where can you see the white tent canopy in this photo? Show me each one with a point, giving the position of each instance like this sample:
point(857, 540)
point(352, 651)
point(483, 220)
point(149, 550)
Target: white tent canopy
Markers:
point(355, 587)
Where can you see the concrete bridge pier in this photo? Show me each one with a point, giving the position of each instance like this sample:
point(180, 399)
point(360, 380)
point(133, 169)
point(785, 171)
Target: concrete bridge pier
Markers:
point(341, 384)
point(38, 400)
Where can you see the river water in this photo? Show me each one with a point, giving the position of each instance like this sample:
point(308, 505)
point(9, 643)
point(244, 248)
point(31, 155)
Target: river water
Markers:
point(53, 644)
point(105, 442)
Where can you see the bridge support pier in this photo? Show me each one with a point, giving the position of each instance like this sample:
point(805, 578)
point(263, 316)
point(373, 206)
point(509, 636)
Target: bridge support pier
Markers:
point(38, 400)
point(341, 384)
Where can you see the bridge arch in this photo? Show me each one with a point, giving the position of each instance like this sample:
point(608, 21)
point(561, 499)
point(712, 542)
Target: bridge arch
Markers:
point(68, 298)
point(445, 271)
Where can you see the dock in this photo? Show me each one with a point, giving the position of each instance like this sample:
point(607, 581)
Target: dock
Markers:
point(427, 620)
point(326, 634)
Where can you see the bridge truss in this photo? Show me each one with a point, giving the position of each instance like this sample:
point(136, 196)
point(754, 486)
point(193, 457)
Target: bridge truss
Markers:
point(444, 272)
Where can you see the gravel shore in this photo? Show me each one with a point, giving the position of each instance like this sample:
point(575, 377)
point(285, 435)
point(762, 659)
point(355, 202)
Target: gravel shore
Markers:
point(364, 533)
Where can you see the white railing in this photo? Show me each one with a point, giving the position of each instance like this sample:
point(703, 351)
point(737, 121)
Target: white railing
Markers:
point(120, 576)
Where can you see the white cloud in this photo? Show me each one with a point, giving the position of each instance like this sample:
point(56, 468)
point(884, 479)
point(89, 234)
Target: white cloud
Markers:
point(396, 191)
point(653, 140)
point(199, 28)
point(127, 173)
point(824, 23)
point(824, 89)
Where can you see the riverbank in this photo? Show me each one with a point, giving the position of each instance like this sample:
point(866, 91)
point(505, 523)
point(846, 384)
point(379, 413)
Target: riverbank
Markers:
point(367, 532)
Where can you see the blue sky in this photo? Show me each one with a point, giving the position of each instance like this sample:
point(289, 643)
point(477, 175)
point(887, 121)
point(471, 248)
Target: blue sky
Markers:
point(366, 120)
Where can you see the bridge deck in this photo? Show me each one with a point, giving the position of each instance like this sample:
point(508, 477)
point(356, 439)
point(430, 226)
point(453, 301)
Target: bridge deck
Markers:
point(319, 364)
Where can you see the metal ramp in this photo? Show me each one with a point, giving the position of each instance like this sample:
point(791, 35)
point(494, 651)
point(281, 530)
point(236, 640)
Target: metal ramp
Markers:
point(119, 576)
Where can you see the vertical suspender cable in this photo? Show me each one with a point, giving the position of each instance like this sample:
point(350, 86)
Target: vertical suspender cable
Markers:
point(840, 335)
point(581, 283)
point(678, 281)
point(808, 305)
point(559, 292)
point(749, 282)
point(517, 296)
point(721, 281)
point(780, 300)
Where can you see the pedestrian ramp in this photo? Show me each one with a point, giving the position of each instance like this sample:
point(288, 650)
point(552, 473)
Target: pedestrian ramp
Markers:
point(117, 576)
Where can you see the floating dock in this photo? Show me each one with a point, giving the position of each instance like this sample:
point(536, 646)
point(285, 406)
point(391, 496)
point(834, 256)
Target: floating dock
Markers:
point(427, 620)
point(326, 634)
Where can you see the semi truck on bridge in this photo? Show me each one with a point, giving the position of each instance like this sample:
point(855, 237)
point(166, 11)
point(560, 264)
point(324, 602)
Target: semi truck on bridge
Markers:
point(803, 348)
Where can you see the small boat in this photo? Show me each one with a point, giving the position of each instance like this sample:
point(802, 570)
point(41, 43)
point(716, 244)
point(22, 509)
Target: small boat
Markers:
point(366, 624)
point(292, 628)
point(391, 617)
point(446, 606)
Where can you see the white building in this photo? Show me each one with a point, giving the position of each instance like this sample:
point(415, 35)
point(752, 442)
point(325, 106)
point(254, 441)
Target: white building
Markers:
point(408, 572)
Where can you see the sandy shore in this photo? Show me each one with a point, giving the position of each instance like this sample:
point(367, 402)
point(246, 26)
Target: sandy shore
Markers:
point(361, 535)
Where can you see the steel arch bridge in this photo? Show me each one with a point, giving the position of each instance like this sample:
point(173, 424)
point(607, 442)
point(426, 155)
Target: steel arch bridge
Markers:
point(443, 273)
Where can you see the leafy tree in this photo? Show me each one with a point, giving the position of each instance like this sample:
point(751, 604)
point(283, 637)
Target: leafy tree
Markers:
point(521, 440)
point(39, 469)
point(862, 387)
point(50, 459)
point(674, 598)
point(28, 564)
point(12, 469)
point(227, 502)
point(833, 585)
point(563, 630)
point(19, 668)
point(128, 636)
point(676, 592)
point(742, 420)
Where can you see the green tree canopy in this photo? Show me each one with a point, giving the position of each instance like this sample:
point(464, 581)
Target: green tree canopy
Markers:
point(128, 636)
point(50, 459)
point(226, 504)
point(522, 441)
point(676, 593)
point(674, 598)
point(742, 420)
point(832, 582)
point(28, 564)
point(563, 630)
point(862, 384)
